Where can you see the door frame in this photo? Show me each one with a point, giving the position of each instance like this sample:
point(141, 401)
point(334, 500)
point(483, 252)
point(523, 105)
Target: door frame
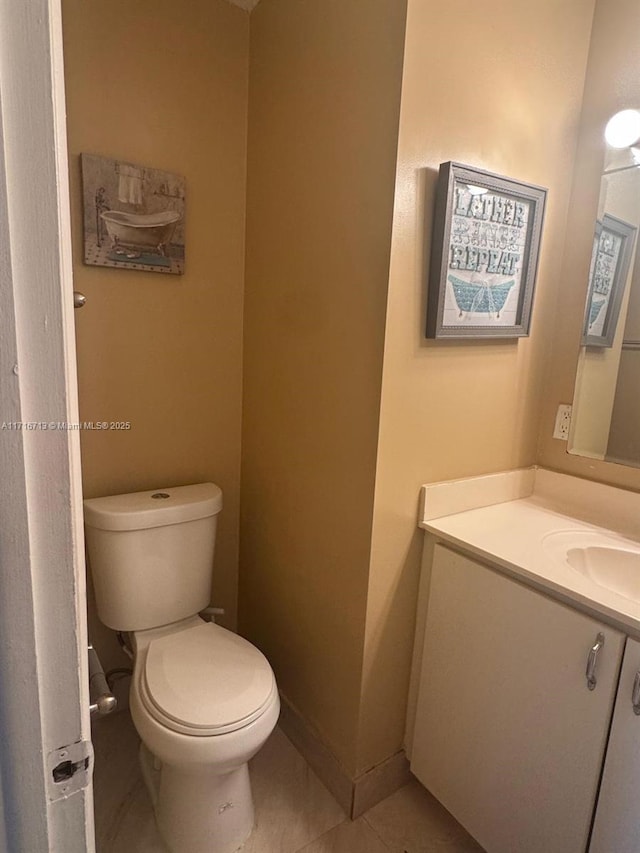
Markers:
point(44, 702)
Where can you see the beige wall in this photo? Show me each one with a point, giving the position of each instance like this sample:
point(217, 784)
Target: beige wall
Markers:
point(324, 100)
point(164, 84)
point(612, 84)
point(497, 85)
point(312, 357)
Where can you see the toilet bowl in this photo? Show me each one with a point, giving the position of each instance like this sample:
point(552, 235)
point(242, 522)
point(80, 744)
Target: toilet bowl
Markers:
point(203, 699)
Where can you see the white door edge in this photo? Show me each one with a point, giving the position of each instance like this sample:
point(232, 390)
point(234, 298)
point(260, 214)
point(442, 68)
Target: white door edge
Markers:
point(43, 637)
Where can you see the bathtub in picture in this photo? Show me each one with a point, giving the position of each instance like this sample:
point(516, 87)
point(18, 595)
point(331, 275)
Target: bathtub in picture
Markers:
point(145, 231)
point(133, 216)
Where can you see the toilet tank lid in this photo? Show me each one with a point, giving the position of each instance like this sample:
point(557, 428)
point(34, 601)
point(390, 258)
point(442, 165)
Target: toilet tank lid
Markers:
point(155, 508)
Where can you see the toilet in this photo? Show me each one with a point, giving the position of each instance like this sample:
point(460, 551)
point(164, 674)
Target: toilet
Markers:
point(203, 699)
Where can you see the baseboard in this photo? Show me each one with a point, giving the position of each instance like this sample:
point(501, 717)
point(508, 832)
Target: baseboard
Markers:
point(354, 795)
point(317, 755)
point(379, 782)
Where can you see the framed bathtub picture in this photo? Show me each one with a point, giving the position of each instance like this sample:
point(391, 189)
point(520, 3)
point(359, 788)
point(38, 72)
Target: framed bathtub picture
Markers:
point(484, 254)
point(613, 242)
point(133, 216)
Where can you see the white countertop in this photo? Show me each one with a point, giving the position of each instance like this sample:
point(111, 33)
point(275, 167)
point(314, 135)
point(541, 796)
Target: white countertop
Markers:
point(512, 536)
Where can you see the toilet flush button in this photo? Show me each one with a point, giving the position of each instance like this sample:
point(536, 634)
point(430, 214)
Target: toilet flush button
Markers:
point(160, 496)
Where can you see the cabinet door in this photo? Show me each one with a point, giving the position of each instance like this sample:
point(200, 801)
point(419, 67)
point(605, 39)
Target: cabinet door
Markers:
point(617, 824)
point(508, 735)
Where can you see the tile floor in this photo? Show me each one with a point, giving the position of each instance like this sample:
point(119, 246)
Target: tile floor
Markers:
point(294, 812)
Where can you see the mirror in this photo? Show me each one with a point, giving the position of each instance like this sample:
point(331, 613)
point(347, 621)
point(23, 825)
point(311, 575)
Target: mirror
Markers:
point(605, 421)
point(606, 406)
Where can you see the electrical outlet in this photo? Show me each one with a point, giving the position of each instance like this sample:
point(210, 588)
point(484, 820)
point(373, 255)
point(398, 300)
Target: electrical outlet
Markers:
point(563, 422)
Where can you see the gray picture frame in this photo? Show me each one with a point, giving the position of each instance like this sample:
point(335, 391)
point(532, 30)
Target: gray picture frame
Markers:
point(484, 254)
point(613, 244)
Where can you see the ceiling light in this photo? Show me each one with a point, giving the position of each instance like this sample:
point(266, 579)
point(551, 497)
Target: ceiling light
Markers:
point(623, 129)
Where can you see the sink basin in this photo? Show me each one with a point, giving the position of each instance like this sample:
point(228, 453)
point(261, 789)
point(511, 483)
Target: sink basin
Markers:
point(608, 561)
point(614, 568)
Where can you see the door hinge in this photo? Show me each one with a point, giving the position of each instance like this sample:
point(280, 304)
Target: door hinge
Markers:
point(69, 769)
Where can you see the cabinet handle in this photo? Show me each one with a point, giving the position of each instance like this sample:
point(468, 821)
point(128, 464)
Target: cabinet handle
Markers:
point(635, 695)
point(592, 660)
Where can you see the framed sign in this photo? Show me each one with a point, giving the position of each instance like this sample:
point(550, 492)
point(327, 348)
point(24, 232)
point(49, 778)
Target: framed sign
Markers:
point(133, 216)
point(612, 250)
point(484, 255)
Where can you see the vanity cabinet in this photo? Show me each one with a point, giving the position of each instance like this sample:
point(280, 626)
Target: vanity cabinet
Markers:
point(508, 734)
point(617, 819)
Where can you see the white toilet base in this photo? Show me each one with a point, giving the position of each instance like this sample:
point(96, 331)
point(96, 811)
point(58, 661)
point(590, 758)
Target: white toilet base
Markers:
point(200, 812)
point(150, 768)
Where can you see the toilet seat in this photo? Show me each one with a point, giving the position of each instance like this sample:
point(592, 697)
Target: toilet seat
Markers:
point(205, 680)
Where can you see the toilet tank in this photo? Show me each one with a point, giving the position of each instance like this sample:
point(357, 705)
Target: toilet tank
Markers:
point(151, 554)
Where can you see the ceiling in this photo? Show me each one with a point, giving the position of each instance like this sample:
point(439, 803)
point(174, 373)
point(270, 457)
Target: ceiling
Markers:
point(245, 4)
